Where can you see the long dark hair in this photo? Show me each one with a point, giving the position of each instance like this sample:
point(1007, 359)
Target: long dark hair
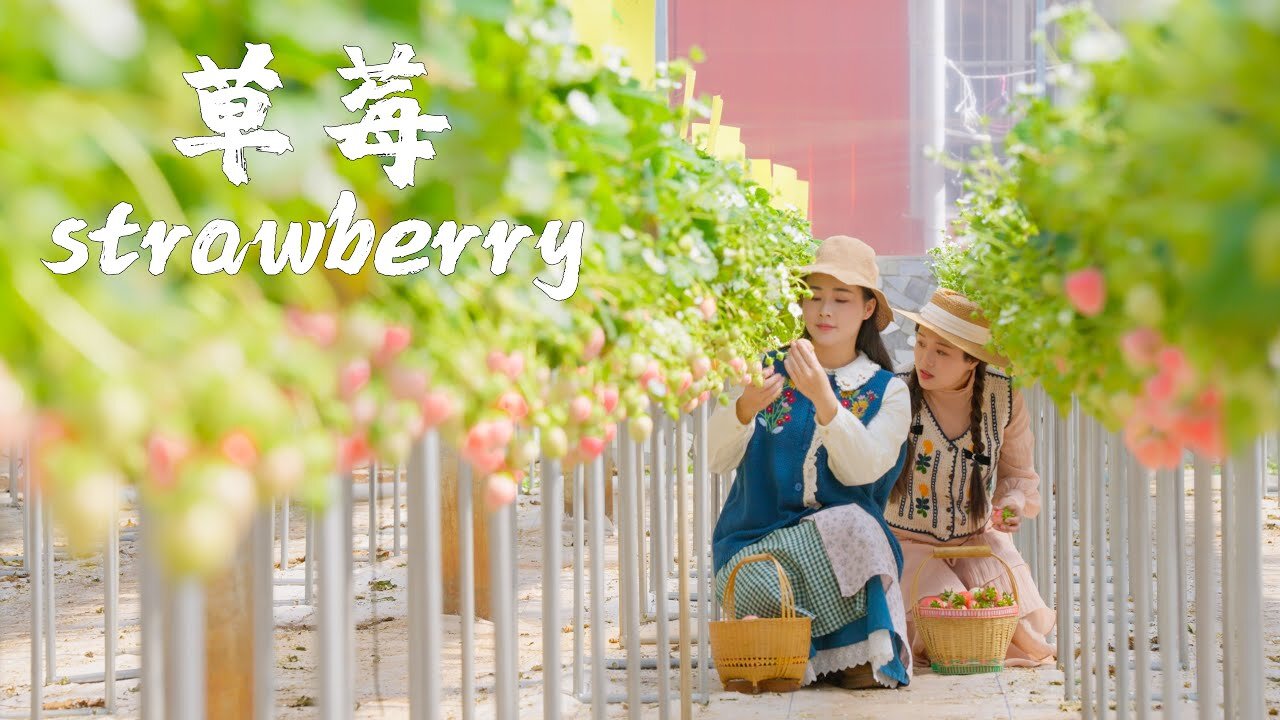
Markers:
point(979, 504)
point(869, 340)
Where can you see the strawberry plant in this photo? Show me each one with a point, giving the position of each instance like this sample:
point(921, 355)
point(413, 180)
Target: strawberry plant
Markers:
point(1127, 248)
point(212, 393)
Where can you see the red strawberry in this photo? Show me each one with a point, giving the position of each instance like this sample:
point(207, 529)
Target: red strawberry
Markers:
point(931, 601)
point(352, 451)
point(591, 447)
point(1087, 291)
point(608, 397)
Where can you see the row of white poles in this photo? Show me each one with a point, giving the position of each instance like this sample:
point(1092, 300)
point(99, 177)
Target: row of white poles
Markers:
point(1122, 573)
point(1096, 527)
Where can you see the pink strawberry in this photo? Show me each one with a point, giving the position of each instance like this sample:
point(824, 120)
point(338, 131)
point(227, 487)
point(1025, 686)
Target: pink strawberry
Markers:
point(610, 432)
point(686, 381)
point(500, 432)
point(395, 338)
point(164, 454)
point(708, 308)
point(352, 451)
point(478, 437)
point(364, 408)
point(514, 366)
point(1086, 289)
point(484, 461)
point(1140, 347)
point(408, 384)
point(739, 365)
point(1173, 363)
point(514, 405)
point(1203, 433)
point(595, 344)
point(354, 376)
point(500, 491)
point(701, 366)
point(608, 397)
point(239, 448)
point(437, 407)
point(652, 371)
point(580, 408)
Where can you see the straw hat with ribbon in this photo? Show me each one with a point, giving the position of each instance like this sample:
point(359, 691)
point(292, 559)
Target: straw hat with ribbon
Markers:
point(852, 262)
point(960, 322)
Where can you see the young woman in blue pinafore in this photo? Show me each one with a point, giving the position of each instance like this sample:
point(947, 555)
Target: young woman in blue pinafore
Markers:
point(816, 450)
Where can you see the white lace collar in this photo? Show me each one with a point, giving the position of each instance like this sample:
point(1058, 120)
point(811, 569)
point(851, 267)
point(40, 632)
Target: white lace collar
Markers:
point(855, 374)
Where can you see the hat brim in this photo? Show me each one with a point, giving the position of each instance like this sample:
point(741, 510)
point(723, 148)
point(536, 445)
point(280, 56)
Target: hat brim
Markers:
point(970, 347)
point(883, 315)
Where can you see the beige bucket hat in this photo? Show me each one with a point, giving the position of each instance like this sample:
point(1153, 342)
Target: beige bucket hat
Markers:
point(960, 322)
point(852, 262)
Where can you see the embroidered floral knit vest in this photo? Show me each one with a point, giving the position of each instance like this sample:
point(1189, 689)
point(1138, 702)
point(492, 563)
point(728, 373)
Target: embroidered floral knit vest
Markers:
point(938, 503)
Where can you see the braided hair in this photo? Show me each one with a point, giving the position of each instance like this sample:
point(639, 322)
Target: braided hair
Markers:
point(979, 503)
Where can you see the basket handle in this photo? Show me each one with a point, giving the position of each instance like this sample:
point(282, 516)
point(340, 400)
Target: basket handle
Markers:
point(788, 599)
point(966, 551)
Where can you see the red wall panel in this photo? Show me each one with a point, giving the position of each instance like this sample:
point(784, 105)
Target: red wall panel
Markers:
point(823, 86)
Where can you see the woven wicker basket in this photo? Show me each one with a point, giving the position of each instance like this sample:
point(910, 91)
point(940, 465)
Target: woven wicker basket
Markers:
point(763, 648)
point(965, 642)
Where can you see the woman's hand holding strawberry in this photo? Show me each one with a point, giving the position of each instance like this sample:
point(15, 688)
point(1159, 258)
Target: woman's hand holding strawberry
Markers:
point(809, 377)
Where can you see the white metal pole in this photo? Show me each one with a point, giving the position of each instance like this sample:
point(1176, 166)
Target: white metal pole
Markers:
point(111, 605)
point(1206, 574)
point(333, 614)
point(579, 583)
point(552, 489)
point(1118, 471)
point(264, 646)
point(599, 691)
point(1140, 562)
point(1063, 527)
point(1247, 592)
point(1086, 486)
point(1098, 524)
point(1167, 594)
point(466, 541)
point(631, 571)
point(682, 545)
point(35, 576)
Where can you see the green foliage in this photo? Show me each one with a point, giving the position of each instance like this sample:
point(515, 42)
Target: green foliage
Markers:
point(210, 392)
point(1157, 161)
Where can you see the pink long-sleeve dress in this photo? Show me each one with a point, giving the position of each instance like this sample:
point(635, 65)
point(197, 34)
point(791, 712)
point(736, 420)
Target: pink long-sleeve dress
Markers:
point(935, 511)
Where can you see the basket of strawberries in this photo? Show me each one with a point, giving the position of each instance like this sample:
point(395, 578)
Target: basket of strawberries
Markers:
point(968, 631)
